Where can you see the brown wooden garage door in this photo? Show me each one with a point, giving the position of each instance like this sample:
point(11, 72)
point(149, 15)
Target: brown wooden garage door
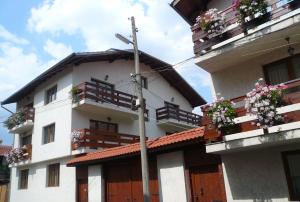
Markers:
point(204, 172)
point(124, 182)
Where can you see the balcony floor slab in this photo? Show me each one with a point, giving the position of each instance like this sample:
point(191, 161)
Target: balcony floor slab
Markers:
point(278, 135)
point(105, 108)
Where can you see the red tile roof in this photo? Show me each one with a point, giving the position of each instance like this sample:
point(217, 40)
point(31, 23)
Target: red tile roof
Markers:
point(181, 137)
point(4, 149)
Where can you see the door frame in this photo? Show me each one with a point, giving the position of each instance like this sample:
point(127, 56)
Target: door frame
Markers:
point(193, 161)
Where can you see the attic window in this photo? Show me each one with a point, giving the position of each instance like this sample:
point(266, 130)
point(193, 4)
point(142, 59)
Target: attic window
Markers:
point(51, 94)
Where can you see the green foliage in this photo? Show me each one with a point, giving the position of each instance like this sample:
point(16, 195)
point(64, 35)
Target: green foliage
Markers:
point(74, 92)
point(249, 8)
point(15, 119)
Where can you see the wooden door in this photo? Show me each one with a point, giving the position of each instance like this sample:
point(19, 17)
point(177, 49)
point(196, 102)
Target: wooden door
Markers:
point(82, 190)
point(205, 184)
point(124, 182)
point(118, 185)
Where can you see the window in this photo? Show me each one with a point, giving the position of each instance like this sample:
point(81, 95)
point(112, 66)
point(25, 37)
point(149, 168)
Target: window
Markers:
point(53, 175)
point(49, 133)
point(144, 81)
point(283, 70)
point(23, 183)
point(292, 170)
point(25, 140)
point(51, 94)
point(103, 126)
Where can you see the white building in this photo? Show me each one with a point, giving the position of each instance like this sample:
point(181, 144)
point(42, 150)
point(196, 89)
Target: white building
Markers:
point(257, 166)
point(101, 108)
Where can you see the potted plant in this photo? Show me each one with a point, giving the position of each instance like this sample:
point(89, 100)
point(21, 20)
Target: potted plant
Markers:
point(262, 102)
point(251, 12)
point(212, 22)
point(76, 138)
point(74, 92)
point(222, 114)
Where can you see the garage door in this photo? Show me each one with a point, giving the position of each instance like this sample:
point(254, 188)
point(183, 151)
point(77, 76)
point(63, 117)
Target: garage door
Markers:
point(124, 181)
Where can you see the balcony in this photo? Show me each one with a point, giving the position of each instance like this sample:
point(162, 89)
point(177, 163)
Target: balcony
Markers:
point(19, 156)
point(93, 98)
point(175, 119)
point(249, 30)
point(245, 134)
point(85, 140)
point(21, 121)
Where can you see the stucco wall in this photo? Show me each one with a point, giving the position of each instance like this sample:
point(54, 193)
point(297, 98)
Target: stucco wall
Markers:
point(256, 175)
point(239, 79)
point(58, 112)
point(95, 184)
point(171, 177)
point(37, 190)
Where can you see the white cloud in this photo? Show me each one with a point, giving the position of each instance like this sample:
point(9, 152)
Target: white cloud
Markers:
point(16, 68)
point(161, 31)
point(8, 36)
point(57, 50)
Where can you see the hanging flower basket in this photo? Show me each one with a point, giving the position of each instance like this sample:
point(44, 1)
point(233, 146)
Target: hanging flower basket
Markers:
point(262, 102)
point(222, 114)
point(212, 22)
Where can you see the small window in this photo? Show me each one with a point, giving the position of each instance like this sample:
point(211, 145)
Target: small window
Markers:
point(144, 81)
point(292, 171)
point(49, 133)
point(23, 183)
point(51, 94)
point(25, 140)
point(53, 175)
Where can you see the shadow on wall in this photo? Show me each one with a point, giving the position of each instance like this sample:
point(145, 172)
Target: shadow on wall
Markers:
point(257, 176)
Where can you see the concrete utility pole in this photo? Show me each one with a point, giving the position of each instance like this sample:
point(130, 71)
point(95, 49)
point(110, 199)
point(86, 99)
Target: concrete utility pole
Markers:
point(141, 105)
point(144, 156)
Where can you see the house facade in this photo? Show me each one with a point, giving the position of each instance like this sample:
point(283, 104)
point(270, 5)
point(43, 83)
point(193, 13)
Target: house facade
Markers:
point(259, 164)
point(86, 103)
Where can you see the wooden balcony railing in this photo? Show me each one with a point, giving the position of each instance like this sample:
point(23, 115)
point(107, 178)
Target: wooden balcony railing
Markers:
point(97, 93)
point(168, 112)
point(203, 42)
point(243, 124)
point(102, 139)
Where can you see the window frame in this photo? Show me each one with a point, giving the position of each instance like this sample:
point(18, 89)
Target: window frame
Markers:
point(24, 137)
point(108, 124)
point(44, 133)
point(51, 166)
point(288, 174)
point(144, 82)
point(288, 61)
point(47, 94)
point(20, 184)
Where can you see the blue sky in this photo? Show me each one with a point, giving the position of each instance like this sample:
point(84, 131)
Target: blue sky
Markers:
point(35, 34)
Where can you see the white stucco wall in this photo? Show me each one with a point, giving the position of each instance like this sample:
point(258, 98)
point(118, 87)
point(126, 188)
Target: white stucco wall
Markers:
point(239, 79)
point(256, 175)
point(171, 177)
point(37, 190)
point(95, 184)
point(58, 112)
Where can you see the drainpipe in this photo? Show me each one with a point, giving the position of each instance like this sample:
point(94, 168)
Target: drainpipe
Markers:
point(5, 108)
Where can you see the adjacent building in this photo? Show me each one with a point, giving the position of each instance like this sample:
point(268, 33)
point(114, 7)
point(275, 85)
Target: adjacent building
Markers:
point(85, 103)
point(239, 47)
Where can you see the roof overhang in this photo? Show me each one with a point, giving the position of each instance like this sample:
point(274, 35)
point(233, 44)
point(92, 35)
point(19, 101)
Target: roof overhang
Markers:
point(164, 143)
point(189, 9)
point(171, 76)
